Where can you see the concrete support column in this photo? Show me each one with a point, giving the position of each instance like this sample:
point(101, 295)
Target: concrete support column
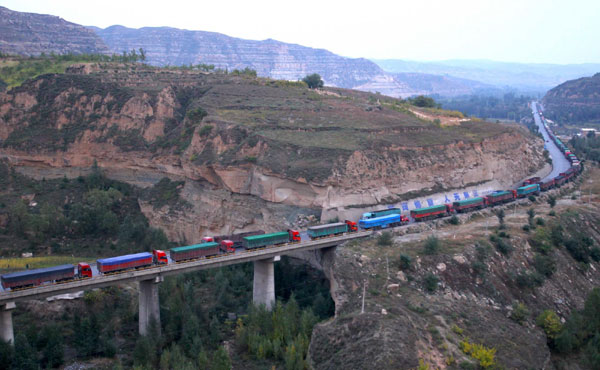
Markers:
point(264, 283)
point(148, 304)
point(6, 325)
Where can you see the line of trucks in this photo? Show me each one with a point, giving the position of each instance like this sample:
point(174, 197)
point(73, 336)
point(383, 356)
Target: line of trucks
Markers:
point(211, 247)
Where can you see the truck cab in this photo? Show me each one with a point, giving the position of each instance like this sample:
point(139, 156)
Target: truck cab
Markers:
point(208, 239)
point(227, 246)
point(159, 257)
point(84, 270)
point(294, 236)
point(404, 220)
point(352, 226)
point(367, 215)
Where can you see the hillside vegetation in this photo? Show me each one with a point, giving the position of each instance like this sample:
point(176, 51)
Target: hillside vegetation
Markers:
point(575, 101)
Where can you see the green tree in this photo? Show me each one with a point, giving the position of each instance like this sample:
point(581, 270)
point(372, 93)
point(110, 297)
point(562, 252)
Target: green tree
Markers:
point(500, 214)
point(313, 81)
point(551, 201)
point(53, 351)
point(25, 355)
point(221, 360)
point(385, 239)
point(6, 355)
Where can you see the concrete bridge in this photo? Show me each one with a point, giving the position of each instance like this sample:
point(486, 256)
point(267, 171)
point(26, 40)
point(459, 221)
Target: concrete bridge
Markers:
point(148, 280)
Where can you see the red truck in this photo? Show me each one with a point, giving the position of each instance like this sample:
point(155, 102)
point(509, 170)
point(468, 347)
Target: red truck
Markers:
point(131, 261)
point(499, 197)
point(35, 277)
point(532, 180)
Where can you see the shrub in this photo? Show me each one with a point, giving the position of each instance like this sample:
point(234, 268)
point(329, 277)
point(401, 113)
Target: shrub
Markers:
point(519, 313)
point(532, 198)
point(503, 247)
point(529, 280)
point(540, 221)
point(595, 254)
point(251, 159)
point(552, 213)
point(549, 321)
point(432, 245)
point(504, 234)
point(431, 282)
point(454, 220)
point(544, 265)
point(551, 201)
point(455, 328)
point(205, 130)
point(404, 262)
point(479, 268)
point(485, 355)
point(385, 238)
point(526, 228)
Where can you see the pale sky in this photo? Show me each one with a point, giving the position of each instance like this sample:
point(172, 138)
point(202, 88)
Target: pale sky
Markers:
point(532, 31)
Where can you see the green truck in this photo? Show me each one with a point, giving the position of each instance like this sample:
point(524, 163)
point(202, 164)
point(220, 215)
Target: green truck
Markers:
point(430, 212)
point(195, 251)
point(524, 191)
point(321, 231)
point(265, 240)
point(468, 204)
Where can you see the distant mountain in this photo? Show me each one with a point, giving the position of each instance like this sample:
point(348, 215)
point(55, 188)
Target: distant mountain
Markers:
point(521, 76)
point(576, 101)
point(275, 59)
point(172, 46)
point(33, 34)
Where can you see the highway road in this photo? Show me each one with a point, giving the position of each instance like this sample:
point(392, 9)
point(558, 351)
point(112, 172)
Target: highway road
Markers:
point(559, 162)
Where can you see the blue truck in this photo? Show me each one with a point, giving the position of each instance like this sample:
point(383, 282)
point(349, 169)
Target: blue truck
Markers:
point(382, 222)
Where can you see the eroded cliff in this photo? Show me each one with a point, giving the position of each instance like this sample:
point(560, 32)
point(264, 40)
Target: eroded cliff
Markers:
point(268, 142)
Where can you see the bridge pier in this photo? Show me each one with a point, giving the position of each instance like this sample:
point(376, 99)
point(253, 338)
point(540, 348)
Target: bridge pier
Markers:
point(6, 325)
point(149, 308)
point(264, 283)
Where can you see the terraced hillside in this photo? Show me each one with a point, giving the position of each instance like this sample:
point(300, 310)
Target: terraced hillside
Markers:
point(238, 135)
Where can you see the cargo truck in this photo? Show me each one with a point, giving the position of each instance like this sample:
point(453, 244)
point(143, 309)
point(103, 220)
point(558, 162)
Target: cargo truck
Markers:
point(468, 204)
point(30, 278)
point(267, 240)
point(432, 212)
point(524, 191)
point(327, 230)
point(499, 197)
point(131, 261)
point(383, 222)
point(195, 251)
point(237, 239)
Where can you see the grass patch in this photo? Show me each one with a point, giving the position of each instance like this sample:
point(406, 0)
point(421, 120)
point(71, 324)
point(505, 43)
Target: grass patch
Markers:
point(10, 264)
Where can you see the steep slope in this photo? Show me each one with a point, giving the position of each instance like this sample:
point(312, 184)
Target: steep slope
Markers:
point(576, 101)
point(270, 58)
point(420, 299)
point(231, 136)
point(33, 34)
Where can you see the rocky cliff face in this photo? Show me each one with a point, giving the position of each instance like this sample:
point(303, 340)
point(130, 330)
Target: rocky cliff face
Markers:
point(275, 59)
point(247, 145)
point(33, 34)
point(575, 101)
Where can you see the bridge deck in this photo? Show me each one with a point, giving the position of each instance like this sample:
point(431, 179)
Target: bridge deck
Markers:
point(172, 269)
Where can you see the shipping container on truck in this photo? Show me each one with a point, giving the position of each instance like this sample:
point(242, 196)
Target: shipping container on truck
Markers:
point(547, 185)
point(468, 204)
point(383, 222)
point(195, 251)
point(499, 197)
point(238, 239)
point(323, 231)
point(428, 213)
point(21, 279)
point(120, 263)
point(524, 191)
point(381, 212)
point(266, 240)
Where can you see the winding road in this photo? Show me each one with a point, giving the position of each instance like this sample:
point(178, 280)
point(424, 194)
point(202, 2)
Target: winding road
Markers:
point(559, 162)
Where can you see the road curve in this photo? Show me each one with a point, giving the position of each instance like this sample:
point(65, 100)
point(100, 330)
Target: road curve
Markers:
point(559, 162)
